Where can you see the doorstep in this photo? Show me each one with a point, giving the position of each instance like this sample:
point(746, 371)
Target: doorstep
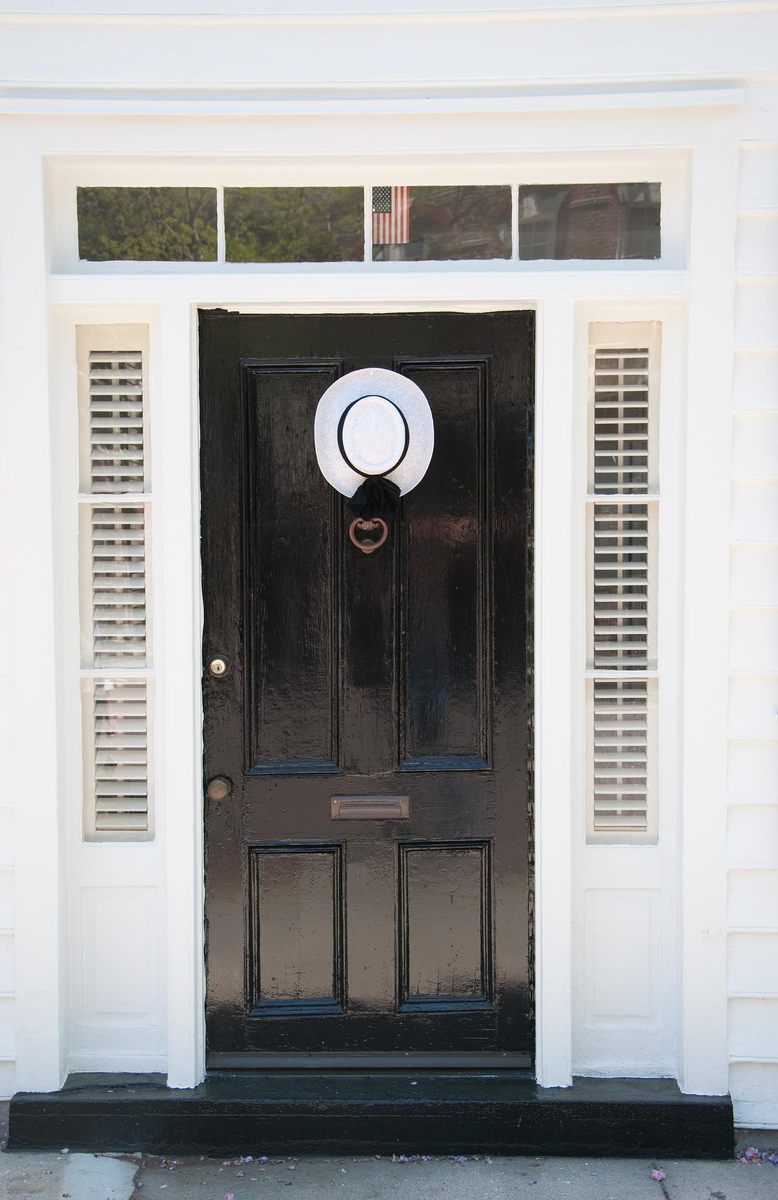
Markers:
point(372, 1113)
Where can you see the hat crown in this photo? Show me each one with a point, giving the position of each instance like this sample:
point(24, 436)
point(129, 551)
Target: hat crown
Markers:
point(373, 435)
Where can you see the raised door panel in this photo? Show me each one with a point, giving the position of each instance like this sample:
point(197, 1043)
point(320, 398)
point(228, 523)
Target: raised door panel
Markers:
point(296, 922)
point(445, 926)
point(292, 548)
point(445, 563)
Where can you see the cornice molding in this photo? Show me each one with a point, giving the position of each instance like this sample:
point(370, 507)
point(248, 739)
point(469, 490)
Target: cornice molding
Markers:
point(43, 99)
point(354, 12)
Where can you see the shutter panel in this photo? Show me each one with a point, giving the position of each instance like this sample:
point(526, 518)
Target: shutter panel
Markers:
point(621, 421)
point(120, 740)
point(620, 735)
point(116, 422)
point(114, 582)
point(119, 586)
point(621, 687)
point(620, 600)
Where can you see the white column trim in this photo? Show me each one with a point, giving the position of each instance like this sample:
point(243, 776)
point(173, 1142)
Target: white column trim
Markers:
point(30, 657)
point(177, 598)
point(554, 677)
point(703, 857)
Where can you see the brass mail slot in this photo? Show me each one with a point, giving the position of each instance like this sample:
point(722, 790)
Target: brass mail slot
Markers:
point(370, 808)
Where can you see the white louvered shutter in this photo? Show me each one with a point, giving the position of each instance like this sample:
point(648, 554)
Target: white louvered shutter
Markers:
point(119, 586)
point(120, 743)
point(620, 756)
point(621, 563)
point(116, 421)
point(114, 582)
point(621, 421)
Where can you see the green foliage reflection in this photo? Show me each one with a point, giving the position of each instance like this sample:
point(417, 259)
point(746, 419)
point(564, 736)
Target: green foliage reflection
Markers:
point(290, 224)
point(147, 224)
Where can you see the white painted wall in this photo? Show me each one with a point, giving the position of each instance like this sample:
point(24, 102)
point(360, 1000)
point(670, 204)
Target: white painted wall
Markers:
point(293, 95)
point(32, 908)
point(7, 957)
point(753, 649)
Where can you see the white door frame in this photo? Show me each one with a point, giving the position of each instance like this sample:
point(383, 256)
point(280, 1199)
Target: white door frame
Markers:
point(41, 309)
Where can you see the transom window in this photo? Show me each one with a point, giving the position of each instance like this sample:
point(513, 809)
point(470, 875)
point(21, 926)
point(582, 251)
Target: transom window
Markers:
point(380, 223)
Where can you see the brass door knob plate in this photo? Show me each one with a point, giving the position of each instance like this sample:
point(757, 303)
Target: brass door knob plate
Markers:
point(218, 788)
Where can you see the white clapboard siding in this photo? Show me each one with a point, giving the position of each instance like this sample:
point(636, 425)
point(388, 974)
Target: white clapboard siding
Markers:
point(115, 514)
point(621, 697)
point(116, 421)
point(753, 653)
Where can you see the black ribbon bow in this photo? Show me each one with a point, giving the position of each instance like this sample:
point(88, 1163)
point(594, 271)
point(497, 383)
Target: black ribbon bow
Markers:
point(376, 497)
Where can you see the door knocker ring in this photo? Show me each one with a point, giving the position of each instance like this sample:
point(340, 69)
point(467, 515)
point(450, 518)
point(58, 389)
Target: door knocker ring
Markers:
point(373, 530)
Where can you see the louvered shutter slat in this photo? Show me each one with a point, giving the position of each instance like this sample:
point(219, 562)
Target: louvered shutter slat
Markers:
point(124, 822)
point(109, 583)
point(125, 740)
point(118, 778)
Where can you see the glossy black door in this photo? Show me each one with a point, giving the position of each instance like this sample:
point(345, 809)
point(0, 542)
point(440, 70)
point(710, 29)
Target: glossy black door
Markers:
point(399, 674)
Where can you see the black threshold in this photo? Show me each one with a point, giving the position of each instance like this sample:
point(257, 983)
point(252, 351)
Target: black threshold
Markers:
point(380, 1113)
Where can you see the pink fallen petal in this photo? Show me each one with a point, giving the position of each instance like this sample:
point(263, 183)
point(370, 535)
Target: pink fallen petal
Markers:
point(658, 1176)
point(230, 1196)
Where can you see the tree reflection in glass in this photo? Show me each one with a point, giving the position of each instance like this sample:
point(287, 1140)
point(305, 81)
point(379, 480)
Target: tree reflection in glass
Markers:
point(153, 224)
point(294, 224)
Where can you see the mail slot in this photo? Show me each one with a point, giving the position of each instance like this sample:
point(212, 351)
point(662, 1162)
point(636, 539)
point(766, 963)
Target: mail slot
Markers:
point(370, 808)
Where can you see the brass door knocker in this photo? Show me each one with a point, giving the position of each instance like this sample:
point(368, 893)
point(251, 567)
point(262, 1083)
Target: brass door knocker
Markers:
point(368, 534)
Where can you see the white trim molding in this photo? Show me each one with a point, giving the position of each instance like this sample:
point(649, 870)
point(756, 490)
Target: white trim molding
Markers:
point(555, 680)
point(27, 100)
point(703, 1066)
point(567, 297)
point(177, 481)
point(30, 656)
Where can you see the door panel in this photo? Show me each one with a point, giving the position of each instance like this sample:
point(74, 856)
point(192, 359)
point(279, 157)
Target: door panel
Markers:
point(296, 964)
point(445, 926)
point(399, 674)
point(445, 669)
point(292, 649)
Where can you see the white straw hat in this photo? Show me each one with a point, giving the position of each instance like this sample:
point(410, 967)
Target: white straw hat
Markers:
point(372, 423)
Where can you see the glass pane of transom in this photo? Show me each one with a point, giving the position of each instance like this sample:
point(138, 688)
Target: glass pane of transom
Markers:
point(294, 224)
point(154, 224)
point(411, 224)
point(590, 220)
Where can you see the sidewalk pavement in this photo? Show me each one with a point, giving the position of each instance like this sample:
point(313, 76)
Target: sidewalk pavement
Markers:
point(65, 1176)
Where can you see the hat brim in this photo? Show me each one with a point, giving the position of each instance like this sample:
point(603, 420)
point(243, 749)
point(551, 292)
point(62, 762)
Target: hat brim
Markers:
point(412, 403)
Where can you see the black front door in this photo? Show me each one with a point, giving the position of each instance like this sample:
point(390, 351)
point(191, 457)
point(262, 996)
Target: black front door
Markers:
point(367, 877)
